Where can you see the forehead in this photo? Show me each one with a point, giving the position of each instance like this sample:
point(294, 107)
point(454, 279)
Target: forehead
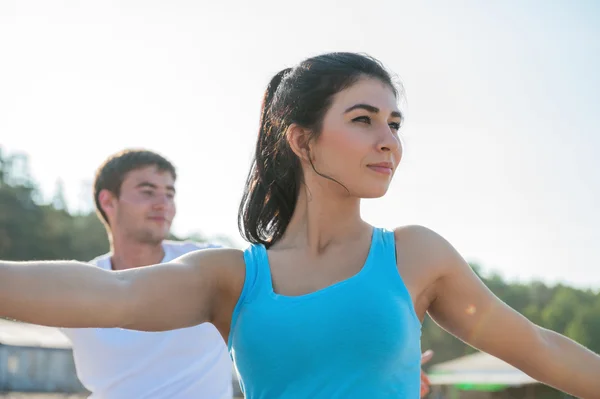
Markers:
point(148, 174)
point(366, 91)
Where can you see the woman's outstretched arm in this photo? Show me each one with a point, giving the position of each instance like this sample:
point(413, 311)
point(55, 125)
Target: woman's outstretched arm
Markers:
point(466, 308)
point(177, 294)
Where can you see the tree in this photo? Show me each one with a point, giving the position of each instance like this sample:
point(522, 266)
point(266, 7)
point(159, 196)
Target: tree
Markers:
point(561, 310)
point(59, 201)
point(585, 326)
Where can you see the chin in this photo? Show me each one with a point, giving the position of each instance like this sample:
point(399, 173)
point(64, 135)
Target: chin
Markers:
point(372, 196)
point(370, 187)
point(373, 192)
point(153, 236)
point(163, 235)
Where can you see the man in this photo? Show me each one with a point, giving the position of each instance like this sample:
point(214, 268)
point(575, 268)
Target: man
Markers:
point(134, 193)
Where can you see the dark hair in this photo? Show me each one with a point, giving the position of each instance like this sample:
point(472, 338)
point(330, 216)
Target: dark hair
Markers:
point(300, 95)
point(112, 172)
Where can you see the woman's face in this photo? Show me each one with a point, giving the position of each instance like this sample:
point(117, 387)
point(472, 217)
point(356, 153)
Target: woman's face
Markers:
point(359, 144)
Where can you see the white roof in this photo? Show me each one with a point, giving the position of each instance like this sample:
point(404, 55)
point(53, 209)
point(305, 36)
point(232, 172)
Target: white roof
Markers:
point(23, 334)
point(478, 368)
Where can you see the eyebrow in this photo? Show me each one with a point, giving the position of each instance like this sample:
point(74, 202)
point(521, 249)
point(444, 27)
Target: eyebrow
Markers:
point(147, 184)
point(371, 109)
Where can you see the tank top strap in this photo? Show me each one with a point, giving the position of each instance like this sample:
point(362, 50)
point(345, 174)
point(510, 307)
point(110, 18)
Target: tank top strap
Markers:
point(256, 282)
point(387, 266)
point(383, 255)
point(389, 245)
point(257, 263)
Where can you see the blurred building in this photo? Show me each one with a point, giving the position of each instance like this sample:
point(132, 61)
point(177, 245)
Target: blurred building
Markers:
point(36, 359)
point(40, 359)
point(482, 376)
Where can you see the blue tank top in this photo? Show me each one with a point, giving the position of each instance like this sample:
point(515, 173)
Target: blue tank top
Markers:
point(359, 338)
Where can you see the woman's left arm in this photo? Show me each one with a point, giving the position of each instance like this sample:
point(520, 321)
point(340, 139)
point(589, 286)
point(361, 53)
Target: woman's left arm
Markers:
point(466, 308)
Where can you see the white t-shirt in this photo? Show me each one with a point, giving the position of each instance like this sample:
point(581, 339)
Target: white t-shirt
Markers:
point(115, 363)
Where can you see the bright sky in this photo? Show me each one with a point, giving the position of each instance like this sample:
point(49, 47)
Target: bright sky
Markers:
point(500, 139)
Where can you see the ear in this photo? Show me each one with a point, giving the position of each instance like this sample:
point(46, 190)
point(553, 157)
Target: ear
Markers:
point(107, 201)
point(299, 140)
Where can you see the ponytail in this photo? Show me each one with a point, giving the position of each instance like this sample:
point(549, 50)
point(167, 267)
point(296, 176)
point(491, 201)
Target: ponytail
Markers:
point(271, 189)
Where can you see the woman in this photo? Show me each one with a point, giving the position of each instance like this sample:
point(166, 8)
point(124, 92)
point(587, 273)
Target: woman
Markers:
point(322, 305)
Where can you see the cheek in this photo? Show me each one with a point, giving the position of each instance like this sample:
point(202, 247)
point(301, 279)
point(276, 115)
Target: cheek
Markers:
point(343, 148)
point(135, 213)
point(134, 208)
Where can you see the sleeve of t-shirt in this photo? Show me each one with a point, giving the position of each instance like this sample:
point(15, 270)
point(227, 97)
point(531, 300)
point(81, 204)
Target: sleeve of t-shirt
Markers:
point(194, 246)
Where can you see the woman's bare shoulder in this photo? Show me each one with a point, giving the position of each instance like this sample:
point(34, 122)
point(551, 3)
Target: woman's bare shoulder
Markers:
point(424, 247)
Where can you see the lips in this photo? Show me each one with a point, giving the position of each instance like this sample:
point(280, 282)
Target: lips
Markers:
point(158, 218)
point(382, 167)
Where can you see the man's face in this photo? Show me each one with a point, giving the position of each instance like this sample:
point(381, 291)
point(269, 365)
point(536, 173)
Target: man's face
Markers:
point(145, 208)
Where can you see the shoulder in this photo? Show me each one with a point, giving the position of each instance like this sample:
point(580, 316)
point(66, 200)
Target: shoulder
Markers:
point(427, 260)
point(226, 263)
point(179, 248)
point(225, 269)
point(426, 247)
point(102, 261)
point(421, 237)
point(224, 266)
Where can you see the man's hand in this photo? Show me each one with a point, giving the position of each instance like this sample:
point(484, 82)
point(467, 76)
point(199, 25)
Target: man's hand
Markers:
point(425, 357)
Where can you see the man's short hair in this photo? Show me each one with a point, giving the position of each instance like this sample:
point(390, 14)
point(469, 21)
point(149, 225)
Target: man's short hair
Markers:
point(112, 172)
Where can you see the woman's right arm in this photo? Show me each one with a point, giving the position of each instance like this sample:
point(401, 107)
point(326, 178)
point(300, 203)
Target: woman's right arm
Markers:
point(182, 293)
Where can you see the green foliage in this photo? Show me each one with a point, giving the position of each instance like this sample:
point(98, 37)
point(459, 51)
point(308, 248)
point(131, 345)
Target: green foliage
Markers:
point(30, 230)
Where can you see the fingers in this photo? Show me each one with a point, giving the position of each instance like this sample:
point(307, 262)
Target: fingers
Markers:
point(426, 356)
point(425, 383)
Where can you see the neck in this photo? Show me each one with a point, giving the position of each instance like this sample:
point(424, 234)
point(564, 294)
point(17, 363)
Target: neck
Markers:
point(320, 220)
point(129, 254)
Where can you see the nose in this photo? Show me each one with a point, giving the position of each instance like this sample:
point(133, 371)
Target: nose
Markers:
point(388, 141)
point(161, 201)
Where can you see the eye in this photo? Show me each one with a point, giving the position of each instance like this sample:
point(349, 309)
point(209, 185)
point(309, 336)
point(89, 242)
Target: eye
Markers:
point(148, 193)
point(363, 119)
point(395, 126)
